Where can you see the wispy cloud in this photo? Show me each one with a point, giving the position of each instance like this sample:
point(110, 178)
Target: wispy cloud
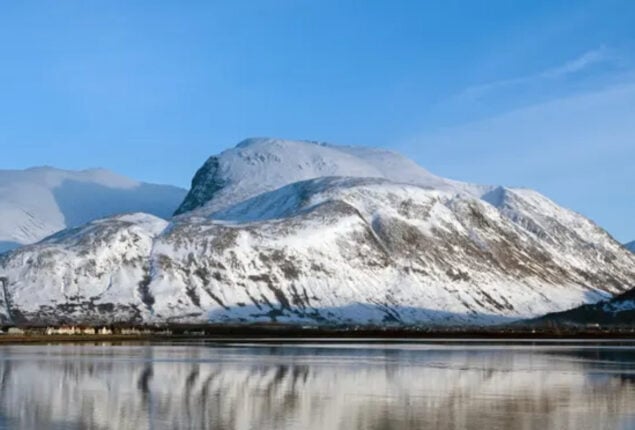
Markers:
point(585, 61)
point(578, 149)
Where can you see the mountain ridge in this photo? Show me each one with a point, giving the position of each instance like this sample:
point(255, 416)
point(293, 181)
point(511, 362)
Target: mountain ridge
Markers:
point(42, 200)
point(261, 241)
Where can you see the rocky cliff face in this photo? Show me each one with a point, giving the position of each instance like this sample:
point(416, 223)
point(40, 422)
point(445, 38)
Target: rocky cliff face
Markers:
point(206, 183)
point(390, 243)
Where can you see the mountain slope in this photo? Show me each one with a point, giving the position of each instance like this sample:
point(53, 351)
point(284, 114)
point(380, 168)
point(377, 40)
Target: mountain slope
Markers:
point(96, 271)
point(398, 246)
point(630, 246)
point(373, 251)
point(619, 310)
point(37, 202)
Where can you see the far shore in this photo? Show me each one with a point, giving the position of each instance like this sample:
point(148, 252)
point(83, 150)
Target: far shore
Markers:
point(293, 334)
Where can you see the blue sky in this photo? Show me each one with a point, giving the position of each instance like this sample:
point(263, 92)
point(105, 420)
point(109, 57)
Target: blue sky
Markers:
point(538, 94)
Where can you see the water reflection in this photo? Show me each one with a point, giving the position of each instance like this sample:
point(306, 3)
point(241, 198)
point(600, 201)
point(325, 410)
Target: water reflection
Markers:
point(317, 387)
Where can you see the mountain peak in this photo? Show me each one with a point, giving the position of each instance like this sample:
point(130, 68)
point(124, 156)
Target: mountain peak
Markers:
point(42, 168)
point(49, 176)
point(39, 201)
point(254, 141)
point(259, 165)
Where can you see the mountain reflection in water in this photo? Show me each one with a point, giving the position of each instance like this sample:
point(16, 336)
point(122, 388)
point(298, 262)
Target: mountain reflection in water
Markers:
point(326, 386)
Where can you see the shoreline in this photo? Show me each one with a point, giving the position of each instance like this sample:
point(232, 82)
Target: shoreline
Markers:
point(285, 334)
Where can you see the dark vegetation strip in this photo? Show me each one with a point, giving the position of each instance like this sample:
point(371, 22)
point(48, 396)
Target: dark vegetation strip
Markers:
point(286, 333)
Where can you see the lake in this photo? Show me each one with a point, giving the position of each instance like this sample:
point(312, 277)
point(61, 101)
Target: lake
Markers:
point(328, 385)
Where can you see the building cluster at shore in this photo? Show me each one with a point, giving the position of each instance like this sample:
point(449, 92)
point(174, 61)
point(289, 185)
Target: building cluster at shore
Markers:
point(68, 330)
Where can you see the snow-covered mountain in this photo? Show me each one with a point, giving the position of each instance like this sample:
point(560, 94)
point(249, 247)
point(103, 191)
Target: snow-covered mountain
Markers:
point(40, 201)
point(258, 165)
point(289, 231)
point(619, 310)
point(630, 246)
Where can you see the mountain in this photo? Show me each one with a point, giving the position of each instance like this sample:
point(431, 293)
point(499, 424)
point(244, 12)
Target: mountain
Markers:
point(619, 310)
point(258, 165)
point(304, 232)
point(37, 202)
point(630, 246)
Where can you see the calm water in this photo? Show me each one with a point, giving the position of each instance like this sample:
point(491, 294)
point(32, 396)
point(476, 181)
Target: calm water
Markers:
point(325, 386)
